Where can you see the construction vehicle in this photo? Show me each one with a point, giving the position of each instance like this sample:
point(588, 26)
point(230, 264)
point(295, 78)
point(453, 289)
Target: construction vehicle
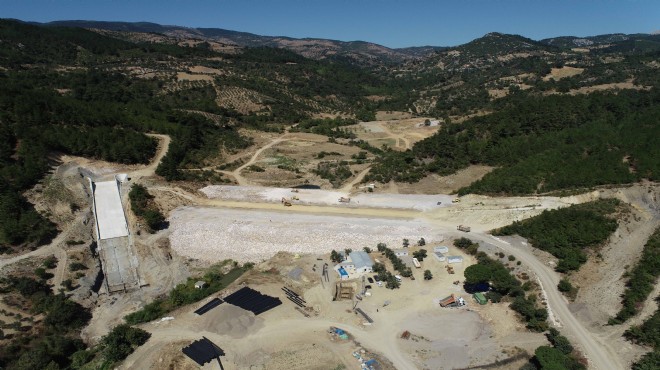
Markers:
point(295, 197)
point(294, 190)
point(456, 200)
point(463, 228)
point(286, 202)
point(452, 301)
point(344, 200)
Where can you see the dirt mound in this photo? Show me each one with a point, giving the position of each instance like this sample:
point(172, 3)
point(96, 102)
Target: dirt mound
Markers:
point(230, 320)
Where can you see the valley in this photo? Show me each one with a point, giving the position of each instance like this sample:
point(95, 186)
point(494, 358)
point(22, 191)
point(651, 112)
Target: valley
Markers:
point(250, 161)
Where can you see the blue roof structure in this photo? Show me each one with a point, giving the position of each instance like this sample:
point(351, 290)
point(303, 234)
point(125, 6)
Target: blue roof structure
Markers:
point(361, 259)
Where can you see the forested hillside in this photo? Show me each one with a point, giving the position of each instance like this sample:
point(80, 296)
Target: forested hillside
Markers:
point(541, 144)
point(75, 91)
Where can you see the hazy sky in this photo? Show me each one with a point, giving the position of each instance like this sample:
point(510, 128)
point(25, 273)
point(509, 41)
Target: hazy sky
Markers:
point(394, 23)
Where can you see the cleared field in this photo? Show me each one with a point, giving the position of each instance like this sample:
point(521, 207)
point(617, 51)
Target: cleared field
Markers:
point(418, 202)
point(213, 234)
point(563, 72)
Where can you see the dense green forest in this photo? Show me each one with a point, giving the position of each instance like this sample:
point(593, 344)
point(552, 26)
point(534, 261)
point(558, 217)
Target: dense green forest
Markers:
point(52, 341)
point(542, 144)
point(567, 232)
point(641, 280)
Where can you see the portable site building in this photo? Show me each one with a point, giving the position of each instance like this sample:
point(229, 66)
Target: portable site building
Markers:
point(416, 263)
point(454, 259)
point(441, 249)
point(480, 298)
point(361, 262)
point(439, 256)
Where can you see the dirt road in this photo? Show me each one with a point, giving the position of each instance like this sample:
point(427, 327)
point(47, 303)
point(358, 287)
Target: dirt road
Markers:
point(163, 147)
point(349, 186)
point(237, 172)
point(597, 350)
point(55, 248)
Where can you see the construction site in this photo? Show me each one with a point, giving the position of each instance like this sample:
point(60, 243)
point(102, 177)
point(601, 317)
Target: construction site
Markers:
point(331, 319)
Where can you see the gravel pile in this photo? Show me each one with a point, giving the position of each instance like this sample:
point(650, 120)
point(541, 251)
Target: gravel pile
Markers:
point(212, 235)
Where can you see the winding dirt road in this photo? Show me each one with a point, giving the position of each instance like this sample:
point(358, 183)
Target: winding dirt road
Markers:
point(600, 355)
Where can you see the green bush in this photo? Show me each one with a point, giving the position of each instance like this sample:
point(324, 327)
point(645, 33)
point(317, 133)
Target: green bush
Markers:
point(122, 341)
point(50, 262)
point(143, 206)
point(564, 286)
point(186, 293)
point(77, 266)
point(566, 232)
point(641, 281)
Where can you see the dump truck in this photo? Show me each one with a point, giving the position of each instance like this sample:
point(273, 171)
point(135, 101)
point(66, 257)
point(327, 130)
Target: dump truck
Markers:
point(463, 228)
point(452, 301)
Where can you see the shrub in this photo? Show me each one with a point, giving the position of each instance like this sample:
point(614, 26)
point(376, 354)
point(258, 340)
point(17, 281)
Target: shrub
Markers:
point(42, 274)
point(50, 262)
point(642, 279)
point(77, 266)
point(122, 341)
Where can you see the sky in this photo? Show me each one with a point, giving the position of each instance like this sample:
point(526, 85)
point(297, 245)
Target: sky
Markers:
point(393, 23)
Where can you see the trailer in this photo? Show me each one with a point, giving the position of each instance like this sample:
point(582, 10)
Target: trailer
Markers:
point(416, 263)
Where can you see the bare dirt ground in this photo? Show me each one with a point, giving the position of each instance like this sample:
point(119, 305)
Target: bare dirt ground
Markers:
point(399, 134)
point(435, 184)
point(183, 76)
point(563, 72)
point(257, 342)
point(601, 280)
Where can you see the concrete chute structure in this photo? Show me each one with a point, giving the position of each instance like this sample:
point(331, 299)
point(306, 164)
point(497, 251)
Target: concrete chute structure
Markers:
point(113, 237)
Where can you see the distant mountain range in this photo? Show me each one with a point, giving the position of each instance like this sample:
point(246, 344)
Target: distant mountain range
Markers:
point(308, 47)
point(362, 52)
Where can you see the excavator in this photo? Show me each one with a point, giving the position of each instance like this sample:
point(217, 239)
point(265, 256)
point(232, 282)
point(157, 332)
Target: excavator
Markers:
point(286, 202)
